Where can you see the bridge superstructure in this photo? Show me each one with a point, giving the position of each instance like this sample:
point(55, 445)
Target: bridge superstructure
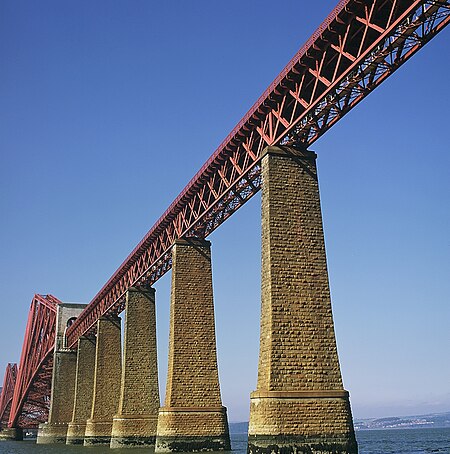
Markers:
point(355, 49)
point(31, 400)
point(6, 393)
point(359, 45)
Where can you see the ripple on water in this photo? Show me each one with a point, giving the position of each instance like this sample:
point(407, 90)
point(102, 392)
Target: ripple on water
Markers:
point(408, 441)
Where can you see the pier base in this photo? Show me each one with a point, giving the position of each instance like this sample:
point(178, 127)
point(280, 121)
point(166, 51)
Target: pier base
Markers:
point(300, 405)
point(63, 390)
point(75, 433)
point(11, 434)
point(84, 384)
point(295, 422)
point(192, 429)
point(135, 423)
point(108, 369)
point(63, 380)
point(193, 418)
point(50, 433)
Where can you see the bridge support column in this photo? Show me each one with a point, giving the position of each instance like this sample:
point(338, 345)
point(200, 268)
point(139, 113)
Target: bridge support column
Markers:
point(11, 434)
point(108, 369)
point(137, 419)
point(300, 404)
point(63, 380)
point(84, 383)
point(63, 390)
point(193, 418)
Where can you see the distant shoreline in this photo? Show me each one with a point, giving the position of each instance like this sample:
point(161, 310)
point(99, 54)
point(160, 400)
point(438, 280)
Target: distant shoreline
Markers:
point(429, 421)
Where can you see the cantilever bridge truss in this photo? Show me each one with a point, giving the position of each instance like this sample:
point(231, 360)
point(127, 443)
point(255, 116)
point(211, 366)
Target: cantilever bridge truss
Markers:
point(30, 402)
point(359, 45)
point(6, 394)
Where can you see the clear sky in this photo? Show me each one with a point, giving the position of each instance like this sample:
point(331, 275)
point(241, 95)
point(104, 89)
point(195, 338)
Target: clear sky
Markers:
point(108, 108)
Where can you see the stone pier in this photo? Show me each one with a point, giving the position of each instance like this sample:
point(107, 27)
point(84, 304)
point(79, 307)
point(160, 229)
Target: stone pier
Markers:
point(136, 421)
point(84, 384)
point(193, 418)
point(299, 405)
point(108, 370)
point(63, 380)
point(11, 434)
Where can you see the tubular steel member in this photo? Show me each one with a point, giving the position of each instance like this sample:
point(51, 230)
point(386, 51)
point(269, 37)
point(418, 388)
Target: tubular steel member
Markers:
point(356, 48)
point(31, 400)
point(9, 381)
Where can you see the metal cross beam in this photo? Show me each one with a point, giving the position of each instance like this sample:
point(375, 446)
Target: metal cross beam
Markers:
point(356, 48)
point(6, 395)
point(31, 399)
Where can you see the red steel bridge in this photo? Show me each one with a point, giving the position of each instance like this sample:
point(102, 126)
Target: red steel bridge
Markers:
point(359, 45)
point(6, 396)
point(25, 397)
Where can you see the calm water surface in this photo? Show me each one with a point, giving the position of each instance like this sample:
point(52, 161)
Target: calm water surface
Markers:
point(417, 441)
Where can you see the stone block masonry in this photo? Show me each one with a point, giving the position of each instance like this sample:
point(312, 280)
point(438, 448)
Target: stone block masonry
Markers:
point(84, 386)
point(108, 371)
point(136, 421)
point(300, 405)
point(63, 380)
point(61, 404)
point(193, 418)
point(11, 434)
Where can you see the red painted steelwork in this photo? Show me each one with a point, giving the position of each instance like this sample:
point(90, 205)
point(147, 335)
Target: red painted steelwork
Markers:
point(356, 48)
point(6, 395)
point(31, 399)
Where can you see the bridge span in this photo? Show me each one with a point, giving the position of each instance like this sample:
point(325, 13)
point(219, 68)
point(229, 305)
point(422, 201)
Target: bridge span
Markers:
point(72, 378)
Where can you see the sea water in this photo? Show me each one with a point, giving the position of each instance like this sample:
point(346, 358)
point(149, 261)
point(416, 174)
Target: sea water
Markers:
point(406, 441)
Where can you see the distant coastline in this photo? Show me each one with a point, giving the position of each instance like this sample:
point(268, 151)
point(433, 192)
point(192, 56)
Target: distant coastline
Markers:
point(433, 420)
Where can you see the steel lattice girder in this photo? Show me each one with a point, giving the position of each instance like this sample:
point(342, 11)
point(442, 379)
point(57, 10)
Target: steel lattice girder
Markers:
point(358, 46)
point(31, 399)
point(9, 382)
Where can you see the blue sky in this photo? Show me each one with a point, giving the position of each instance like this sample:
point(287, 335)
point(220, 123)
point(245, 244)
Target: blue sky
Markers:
point(108, 108)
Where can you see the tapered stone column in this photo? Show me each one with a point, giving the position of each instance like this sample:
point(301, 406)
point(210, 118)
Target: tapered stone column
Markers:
point(300, 404)
point(108, 370)
point(137, 418)
point(63, 380)
point(63, 391)
point(11, 434)
point(84, 386)
point(193, 418)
